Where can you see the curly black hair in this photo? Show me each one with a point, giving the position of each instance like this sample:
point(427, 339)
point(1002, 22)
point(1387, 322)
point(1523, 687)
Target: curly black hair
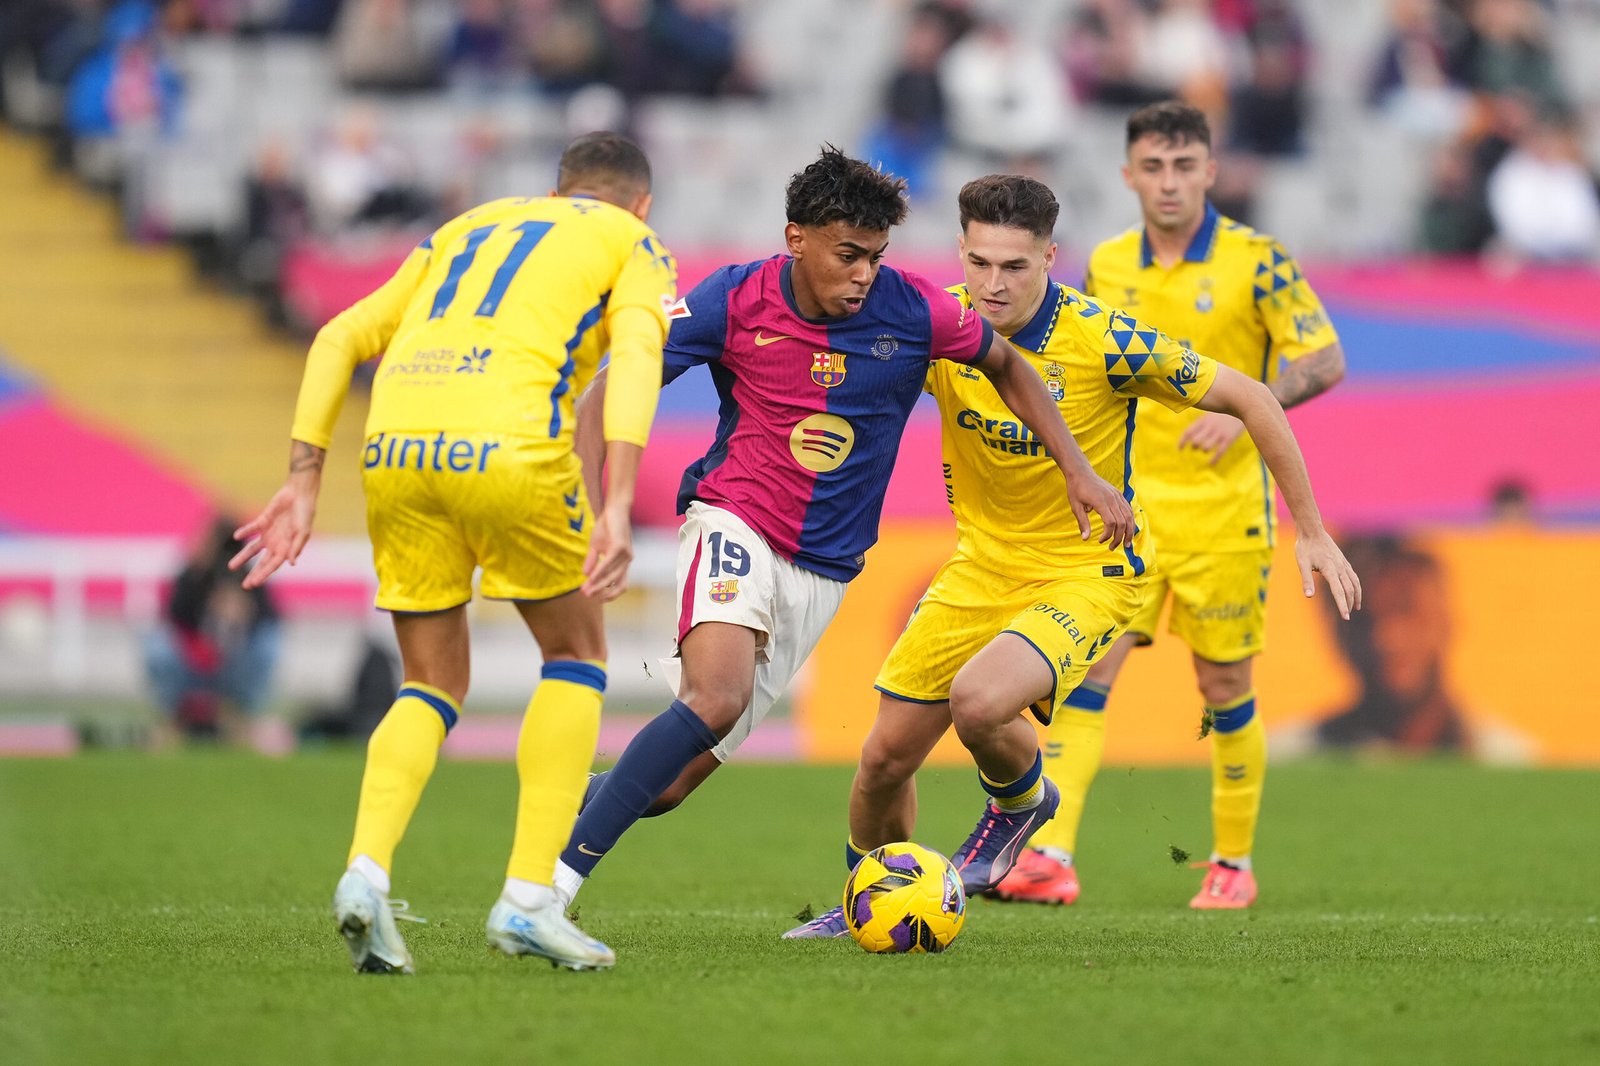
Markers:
point(837, 188)
point(1009, 200)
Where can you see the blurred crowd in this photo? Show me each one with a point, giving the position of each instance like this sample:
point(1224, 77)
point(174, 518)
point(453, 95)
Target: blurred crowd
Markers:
point(104, 79)
point(1472, 86)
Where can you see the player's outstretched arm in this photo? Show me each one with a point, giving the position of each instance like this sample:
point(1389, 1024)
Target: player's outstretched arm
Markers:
point(279, 533)
point(1020, 386)
point(1303, 379)
point(1254, 404)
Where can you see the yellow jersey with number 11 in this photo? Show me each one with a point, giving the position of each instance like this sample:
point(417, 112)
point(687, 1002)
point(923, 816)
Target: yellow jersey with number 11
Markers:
point(497, 321)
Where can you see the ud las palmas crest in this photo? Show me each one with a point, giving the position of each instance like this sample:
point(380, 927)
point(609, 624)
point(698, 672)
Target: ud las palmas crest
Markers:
point(827, 368)
point(1053, 373)
point(724, 591)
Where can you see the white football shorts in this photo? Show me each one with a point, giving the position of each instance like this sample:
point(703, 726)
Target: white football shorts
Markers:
point(727, 573)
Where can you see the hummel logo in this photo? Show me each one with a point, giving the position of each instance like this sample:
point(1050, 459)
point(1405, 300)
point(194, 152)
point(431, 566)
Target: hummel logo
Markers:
point(590, 851)
point(762, 342)
point(571, 498)
point(575, 524)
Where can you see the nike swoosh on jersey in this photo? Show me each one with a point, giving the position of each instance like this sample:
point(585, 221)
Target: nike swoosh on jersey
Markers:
point(762, 342)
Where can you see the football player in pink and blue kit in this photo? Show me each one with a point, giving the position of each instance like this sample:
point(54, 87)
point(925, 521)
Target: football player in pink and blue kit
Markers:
point(818, 356)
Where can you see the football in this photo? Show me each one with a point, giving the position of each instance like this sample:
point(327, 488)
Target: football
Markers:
point(904, 898)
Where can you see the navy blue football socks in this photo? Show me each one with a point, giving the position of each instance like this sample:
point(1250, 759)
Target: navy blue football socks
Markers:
point(652, 761)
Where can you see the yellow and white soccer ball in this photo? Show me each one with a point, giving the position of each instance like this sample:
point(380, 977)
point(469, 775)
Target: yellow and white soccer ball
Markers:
point(904, 898)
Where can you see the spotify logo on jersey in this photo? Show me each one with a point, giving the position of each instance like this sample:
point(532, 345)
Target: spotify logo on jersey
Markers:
point(821, 442)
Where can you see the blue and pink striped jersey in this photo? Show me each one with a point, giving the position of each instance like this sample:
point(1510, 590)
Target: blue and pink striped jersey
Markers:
point(811, 411)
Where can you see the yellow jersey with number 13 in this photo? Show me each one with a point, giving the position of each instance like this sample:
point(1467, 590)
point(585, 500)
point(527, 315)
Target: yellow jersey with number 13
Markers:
point(1237, 297)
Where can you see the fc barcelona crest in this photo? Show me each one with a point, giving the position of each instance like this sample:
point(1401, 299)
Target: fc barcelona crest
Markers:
point(827, 368)
point(724, 591)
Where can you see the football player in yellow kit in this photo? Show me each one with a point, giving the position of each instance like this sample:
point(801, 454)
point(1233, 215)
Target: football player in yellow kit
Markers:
point(1025, 607)
point(490, 328)
point(1236, 295)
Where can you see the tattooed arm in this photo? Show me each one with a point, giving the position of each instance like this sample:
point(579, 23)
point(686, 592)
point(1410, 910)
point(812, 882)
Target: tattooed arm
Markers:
point(1307, 377)
point(279, 533)
point(1310, 376)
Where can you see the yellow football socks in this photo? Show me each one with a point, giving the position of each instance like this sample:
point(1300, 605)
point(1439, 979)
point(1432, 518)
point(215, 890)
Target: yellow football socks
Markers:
point(400, 759)
point(554, 753)
point(1072, 750)
point(1238, 772)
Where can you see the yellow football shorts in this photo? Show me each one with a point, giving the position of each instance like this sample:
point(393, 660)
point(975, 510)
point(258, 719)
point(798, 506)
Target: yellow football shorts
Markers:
point(441, 504)
point(1069, 621)
point(1219, 602)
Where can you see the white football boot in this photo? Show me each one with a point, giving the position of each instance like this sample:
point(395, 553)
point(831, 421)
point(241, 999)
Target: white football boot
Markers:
point(366, 919)
point(546, 932)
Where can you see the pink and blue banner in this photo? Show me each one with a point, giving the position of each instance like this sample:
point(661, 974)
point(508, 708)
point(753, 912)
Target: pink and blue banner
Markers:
point(1459, 380)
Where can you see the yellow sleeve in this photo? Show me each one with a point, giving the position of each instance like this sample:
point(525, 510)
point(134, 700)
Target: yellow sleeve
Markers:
point(355, 335)
point(636, 322)
point(1142, 361)
point(1294, 318)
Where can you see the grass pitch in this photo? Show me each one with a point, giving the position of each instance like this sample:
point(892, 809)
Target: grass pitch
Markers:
point(173, 910)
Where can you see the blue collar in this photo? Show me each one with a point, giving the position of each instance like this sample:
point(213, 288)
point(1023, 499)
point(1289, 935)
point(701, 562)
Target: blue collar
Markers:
point(1200, 245)
point(1035, 334)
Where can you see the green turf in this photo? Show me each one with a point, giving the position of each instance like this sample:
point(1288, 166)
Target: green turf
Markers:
point(172, 910)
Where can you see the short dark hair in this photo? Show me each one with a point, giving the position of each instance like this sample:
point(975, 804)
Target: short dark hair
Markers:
point(837, 188)
point(1009, 200)
point(604, 162)
point(1172, 120)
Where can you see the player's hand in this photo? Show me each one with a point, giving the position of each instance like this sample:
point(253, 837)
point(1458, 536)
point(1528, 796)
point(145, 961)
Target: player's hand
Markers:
point(1091, 492)
point(1212, 433)
point(610, 553)
point(1320, 555)
point(277, 535)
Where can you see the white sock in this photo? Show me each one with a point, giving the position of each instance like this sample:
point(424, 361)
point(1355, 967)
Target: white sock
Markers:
point(1061, 855)
point(529, 895)
point(376, 875)
point(568, 881)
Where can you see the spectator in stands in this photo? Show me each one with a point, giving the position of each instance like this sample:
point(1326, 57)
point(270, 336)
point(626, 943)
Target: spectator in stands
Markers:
point(124, 94)
point(1543, 198)
point(563, 42)
point(1266, 111)
point(1511, 503)
point(1183, 53)
point(1419, 80)
point(311, 18)
point(1509, 51)
point(1008, 101)
point(697, 47)
point(1455, 216)
point(630, 57)
point(358, 177)
point(908, 137)
point(479, 57)
point(383, 44)
point(1102, 54)
point(277, 214)
point(212, 658)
